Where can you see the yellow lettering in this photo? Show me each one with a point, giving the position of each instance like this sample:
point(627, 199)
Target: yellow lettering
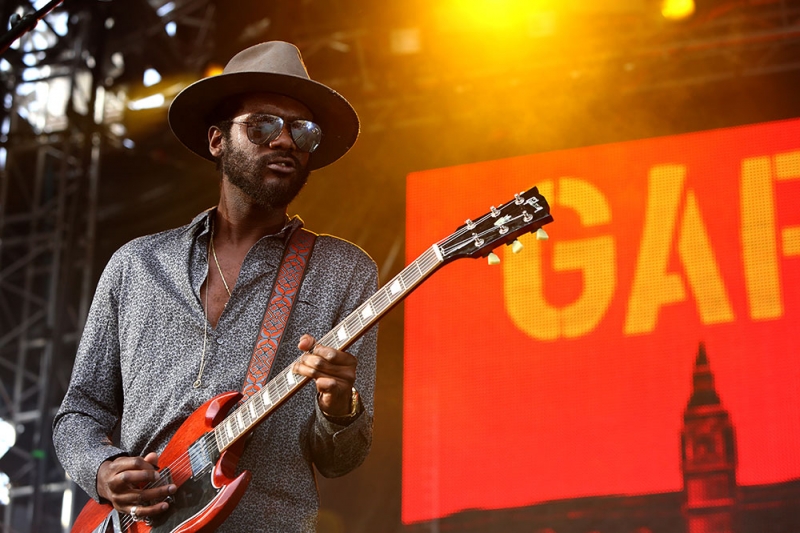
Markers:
point(787, 167)
point(702, 272)
point(653, 287)
point(594, 257)
point(759, 240)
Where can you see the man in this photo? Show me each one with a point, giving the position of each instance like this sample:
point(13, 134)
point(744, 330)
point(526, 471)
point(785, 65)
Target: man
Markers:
point(176, 315)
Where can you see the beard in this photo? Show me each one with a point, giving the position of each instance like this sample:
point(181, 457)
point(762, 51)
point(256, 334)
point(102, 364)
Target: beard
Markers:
point(247, 174)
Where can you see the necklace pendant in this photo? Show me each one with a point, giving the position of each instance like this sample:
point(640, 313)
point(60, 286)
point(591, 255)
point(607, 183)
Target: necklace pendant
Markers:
point(196, 384)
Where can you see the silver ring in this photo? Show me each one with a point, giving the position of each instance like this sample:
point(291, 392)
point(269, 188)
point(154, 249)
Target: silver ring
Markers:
point(134, 516)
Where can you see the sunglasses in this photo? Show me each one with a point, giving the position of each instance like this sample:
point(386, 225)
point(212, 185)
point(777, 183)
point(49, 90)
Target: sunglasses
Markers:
point(264, 129)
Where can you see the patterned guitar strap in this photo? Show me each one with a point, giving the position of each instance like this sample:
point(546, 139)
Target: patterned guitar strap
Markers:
point(279, 309)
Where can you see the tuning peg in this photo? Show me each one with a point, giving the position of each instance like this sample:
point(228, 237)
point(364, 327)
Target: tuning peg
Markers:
point(516, 246)
point(493, 259)
point(541, 235)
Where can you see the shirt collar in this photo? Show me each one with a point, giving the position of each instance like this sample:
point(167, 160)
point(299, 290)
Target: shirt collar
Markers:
point(201, 225)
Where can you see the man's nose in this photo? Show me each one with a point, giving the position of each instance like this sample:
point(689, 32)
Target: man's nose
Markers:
point(284, 140)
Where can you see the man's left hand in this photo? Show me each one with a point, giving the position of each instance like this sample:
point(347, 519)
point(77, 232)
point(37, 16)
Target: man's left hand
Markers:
point(334, 373)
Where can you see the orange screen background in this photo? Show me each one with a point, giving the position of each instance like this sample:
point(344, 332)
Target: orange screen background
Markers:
point(565, 370)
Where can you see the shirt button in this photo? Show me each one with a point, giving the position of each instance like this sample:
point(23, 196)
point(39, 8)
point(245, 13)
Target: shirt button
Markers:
point(220, 341)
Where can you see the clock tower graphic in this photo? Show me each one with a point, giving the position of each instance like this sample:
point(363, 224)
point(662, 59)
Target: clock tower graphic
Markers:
point(708, 457)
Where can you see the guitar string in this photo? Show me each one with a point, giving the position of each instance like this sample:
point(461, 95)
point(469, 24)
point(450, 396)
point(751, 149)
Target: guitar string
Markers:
point(464, 230)
point(182, 464)
point(476, 222)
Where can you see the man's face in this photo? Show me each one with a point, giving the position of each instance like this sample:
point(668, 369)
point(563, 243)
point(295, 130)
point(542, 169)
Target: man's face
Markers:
point(273, 174)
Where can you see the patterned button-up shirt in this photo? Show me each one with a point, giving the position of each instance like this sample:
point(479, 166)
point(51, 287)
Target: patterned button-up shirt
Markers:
point(142, 347)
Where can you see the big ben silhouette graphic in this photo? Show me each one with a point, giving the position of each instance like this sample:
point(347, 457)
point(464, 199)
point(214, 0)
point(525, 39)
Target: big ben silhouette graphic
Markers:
point(708, 453)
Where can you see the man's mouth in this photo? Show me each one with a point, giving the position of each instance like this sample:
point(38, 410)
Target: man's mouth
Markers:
point(282, 165)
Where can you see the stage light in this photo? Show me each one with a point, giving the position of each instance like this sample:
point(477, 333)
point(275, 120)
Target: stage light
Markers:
point(59, 21)
point(148, 102)
point(66, 509)
point(8, 436)
point(171, 28)
point(677, 9)
point(165, 9)
point(213, 69)
point(151, 77)
point(5, 489)
point(493, 14)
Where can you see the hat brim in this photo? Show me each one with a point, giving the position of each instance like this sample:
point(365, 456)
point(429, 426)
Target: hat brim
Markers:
point(190, 110)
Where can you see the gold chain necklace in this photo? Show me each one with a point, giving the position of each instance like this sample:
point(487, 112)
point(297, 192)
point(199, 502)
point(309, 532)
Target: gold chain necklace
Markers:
point(199, 381)
point(214, 253)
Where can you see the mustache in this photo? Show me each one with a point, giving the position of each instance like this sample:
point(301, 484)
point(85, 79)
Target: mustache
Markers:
point(278, 156)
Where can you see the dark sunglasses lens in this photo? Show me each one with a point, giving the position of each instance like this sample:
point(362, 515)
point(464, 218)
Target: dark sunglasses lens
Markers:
point(306, 135)
point(265, 130)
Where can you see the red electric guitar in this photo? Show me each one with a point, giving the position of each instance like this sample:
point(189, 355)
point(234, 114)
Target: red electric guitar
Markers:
point(201, 457)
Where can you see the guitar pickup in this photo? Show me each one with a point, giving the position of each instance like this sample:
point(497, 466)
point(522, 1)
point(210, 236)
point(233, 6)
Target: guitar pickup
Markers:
point(200, 455)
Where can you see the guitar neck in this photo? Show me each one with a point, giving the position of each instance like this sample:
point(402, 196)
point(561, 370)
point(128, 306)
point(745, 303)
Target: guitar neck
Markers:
point(280, 388)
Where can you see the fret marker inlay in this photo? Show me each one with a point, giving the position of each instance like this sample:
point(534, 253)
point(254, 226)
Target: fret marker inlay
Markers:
point(342, 333)
point(396, 287)
point(367, 312)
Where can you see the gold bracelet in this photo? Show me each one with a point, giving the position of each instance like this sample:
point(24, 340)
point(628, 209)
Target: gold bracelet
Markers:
point(353, 407)
point(354, 404)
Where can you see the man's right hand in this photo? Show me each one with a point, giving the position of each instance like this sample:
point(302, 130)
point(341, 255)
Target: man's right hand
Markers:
point(123, 483)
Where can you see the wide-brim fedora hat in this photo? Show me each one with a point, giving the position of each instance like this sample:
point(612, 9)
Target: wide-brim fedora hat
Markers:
point(272, 67)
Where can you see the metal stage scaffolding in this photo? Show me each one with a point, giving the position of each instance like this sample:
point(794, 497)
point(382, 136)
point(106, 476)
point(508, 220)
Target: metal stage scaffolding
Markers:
point(59, 115)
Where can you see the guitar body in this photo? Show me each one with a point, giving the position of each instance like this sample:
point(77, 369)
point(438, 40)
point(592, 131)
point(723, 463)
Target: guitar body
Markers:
point(203, 500)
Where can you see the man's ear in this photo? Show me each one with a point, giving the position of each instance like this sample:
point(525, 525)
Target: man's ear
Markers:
point(215, 140)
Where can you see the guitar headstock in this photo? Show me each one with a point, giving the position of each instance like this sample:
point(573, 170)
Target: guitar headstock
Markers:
point(525, 213)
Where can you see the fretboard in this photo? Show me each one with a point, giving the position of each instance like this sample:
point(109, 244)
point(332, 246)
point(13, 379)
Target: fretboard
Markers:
point(249, 414)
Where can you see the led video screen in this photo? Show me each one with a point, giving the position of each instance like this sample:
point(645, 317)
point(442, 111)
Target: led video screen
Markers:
point(573, 368)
